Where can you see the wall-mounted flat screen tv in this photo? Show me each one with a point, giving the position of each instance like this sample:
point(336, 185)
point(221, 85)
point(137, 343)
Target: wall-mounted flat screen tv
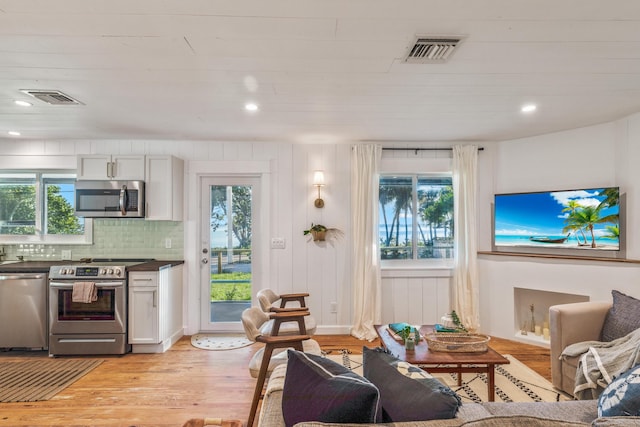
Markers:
point(584, 221)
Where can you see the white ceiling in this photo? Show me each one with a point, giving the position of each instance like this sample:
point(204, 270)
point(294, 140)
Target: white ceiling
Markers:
point(321, 71)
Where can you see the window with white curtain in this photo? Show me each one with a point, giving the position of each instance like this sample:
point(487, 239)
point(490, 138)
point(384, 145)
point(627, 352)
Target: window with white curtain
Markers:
point(415, 216)
point(39, 207)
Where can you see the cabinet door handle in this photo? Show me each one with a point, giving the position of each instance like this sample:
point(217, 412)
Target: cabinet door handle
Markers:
point(155, 298)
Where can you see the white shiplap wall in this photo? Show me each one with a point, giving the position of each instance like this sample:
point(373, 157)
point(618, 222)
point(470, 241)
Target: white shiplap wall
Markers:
point(414, 296)
point(320, 269)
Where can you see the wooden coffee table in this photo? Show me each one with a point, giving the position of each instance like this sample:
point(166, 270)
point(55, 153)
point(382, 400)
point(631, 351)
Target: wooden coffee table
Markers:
point(443, 361)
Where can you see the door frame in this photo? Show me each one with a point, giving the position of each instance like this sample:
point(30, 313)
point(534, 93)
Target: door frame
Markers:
point(193, 229)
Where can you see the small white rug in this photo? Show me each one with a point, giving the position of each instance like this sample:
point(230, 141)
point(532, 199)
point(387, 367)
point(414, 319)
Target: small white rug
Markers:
point(515, 382)
point(219, 342)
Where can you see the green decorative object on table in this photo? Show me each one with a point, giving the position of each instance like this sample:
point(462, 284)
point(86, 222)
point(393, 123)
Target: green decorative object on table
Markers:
point(457, 322)
point(403, 330)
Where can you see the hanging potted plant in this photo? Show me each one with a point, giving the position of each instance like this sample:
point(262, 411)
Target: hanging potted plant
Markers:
point(317, 231)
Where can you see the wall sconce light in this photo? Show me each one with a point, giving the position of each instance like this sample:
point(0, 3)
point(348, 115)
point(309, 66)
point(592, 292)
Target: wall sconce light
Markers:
point(318, 181)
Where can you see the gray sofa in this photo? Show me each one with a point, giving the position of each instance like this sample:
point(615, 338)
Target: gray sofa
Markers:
point(568, 413)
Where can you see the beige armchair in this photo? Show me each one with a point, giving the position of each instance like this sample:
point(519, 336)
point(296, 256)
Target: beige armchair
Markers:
point(570, 324)
point(269, 301)
point(277, 334)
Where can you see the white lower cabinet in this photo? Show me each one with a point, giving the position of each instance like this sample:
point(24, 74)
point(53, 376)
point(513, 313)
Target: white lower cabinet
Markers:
point(155, 309)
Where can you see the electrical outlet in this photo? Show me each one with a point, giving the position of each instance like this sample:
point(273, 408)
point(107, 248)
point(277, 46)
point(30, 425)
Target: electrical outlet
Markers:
point(334, 307)
point(66, 255)
point(167, 243)
point(277, 243)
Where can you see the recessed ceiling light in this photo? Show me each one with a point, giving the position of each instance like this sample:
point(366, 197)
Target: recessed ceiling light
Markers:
point(22, 103)
point(251, 106)
point(529, 108)
point(13, 133)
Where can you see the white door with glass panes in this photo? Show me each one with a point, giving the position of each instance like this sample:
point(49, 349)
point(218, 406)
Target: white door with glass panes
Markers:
point(227, 249)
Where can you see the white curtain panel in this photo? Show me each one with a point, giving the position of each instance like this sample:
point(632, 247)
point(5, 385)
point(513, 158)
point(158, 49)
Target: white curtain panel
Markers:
point(366, 282)
point(465, 244)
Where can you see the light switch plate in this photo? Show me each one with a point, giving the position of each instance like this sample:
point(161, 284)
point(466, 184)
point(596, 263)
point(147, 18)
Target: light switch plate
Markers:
point(278, 243)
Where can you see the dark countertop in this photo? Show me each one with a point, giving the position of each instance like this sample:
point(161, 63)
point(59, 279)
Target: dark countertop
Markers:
point(44, 266)
point(153, 265)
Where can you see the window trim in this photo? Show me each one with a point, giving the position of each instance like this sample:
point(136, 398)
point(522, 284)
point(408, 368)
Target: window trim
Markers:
point(43, 177)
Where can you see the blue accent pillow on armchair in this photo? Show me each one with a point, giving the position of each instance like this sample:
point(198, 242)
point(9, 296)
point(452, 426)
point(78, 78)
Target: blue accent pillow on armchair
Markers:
point(622, 396)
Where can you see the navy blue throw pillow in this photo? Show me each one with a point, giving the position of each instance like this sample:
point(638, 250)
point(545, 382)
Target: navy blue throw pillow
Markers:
point(407, 392)
point(319, 389)
point(622, 396)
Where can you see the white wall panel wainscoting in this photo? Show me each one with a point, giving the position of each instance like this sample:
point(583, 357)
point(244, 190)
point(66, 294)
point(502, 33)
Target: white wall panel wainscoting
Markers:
point(418, 297)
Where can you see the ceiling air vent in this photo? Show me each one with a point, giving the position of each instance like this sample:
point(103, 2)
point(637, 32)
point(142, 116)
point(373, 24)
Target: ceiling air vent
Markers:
point(53, 97)
point(432, 49)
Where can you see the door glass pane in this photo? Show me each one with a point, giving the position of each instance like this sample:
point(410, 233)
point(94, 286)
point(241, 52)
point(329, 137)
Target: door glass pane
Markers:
point(230, 237)
point(101, 309)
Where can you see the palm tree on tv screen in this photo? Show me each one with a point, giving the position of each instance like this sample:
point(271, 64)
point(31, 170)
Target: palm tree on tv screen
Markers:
point(586, 217)
point(612, 196)
point(572, 206)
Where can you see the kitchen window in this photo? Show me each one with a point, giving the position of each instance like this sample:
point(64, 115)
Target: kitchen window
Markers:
point(416, 217)
point(38, 207)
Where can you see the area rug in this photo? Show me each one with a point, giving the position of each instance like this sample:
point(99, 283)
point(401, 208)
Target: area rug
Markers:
point(219, 341)
point(37, 380)
point(515, 382)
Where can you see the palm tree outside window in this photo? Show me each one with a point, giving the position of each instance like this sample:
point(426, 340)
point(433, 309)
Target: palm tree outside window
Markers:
point(416, 217)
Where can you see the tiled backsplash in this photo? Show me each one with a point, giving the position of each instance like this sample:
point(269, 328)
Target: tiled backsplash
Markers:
point(114, 238)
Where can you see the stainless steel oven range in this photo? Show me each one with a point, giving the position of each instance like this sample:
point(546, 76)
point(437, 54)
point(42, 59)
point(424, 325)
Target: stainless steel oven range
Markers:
point(97, 327)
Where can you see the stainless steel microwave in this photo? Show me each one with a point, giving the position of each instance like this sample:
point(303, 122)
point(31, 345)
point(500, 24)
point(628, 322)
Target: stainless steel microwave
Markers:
point(110, 199)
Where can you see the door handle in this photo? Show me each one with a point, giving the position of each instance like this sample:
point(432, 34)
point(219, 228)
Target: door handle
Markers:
point(205, 260)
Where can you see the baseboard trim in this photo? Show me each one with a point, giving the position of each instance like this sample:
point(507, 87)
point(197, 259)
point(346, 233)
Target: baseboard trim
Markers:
point(333, 329)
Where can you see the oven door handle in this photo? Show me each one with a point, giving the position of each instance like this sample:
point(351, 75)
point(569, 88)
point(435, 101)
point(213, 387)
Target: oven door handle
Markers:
point(59, 285)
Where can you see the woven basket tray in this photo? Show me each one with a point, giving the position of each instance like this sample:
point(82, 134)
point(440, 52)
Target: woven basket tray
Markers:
point(458, 343)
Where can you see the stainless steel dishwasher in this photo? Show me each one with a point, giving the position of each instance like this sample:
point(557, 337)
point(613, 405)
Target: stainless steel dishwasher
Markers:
point(23, 311)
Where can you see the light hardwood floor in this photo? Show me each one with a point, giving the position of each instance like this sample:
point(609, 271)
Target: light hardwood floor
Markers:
point(184, 382)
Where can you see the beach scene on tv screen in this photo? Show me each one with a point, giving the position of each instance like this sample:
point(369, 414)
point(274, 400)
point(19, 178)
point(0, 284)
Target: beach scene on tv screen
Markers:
point(576, 219)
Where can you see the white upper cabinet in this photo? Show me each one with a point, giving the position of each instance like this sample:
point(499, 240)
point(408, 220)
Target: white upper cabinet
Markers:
point(107, 167)
point(164, 187)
